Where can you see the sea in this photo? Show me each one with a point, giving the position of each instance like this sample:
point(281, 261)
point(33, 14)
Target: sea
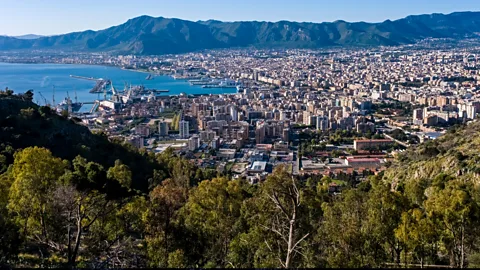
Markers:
point(44, 78)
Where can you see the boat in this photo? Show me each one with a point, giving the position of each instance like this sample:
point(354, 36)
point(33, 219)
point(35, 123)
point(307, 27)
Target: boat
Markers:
point(223, 84)
point(149, 77)
point(69, 106)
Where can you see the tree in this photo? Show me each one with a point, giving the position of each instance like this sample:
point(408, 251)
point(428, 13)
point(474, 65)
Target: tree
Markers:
point(160, 221)
point(9, 237)
point(120, 173)
point(35, 172)
point(74, 214)
point(116, 239)
point(456, 215)
point(419, 236)
point(384, 209)
point(341, 231)
point(275, 218)
point(213, 211)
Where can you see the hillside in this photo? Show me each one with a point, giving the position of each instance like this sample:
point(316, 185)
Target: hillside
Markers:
point(24, 124)
point(147, 35)
point(58, 210)
point(453, 155)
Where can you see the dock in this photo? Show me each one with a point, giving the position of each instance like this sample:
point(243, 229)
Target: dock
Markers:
point(85, 78)
point(101, 86)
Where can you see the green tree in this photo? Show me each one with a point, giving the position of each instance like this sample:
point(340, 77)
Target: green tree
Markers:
point(341, 231)
point(35, 172)
point(120, 173)
point(213, 210)
point(276, 218)
point(161, 222)
point(9, 238)
point(455, 212)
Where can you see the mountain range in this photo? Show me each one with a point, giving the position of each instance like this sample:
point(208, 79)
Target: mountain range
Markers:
point(147, 35)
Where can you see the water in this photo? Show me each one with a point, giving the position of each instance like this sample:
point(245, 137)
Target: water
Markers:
point(42, 78)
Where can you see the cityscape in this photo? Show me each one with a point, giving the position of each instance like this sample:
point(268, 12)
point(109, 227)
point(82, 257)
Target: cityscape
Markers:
point(385, 99)
point(196, 143)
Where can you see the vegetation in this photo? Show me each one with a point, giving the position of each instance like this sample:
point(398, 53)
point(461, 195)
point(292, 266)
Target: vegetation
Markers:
point(64, 208)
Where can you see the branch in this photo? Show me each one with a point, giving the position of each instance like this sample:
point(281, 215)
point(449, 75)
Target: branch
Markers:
point(275, 200)
point(275, 231)
point(298, 242)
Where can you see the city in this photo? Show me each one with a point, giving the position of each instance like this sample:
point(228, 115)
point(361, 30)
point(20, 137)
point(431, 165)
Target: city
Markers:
point(239, 134)
point(292, 105)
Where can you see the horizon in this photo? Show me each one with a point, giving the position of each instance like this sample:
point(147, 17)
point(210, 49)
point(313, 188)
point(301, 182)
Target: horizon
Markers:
point(80, 16)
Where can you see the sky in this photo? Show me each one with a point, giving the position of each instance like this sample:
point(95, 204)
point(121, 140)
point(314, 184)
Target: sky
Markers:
point(49, 17)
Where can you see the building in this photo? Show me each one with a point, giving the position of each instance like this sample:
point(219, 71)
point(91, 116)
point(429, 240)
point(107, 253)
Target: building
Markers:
point(418, 114)
point(258, 167)
point(193, 143)
point(226, 153)
point(142, 130)
point(365, 127)
point(322, 123)
point(216, 142)
point(184, 127)
point(163, 128)
point(234, 113)
point(372, 144)
point(260, 133)
point(136, 141)
point(365, 163)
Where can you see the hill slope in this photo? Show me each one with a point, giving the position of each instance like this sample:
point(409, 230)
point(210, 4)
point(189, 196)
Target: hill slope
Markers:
point(24, 124)
point(453, 155)
point(148, 35)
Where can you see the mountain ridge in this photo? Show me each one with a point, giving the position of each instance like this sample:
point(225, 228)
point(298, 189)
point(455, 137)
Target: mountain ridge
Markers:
point(147, 35)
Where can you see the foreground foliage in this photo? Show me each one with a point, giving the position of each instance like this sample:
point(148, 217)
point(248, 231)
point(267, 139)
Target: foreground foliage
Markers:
point(60, 210)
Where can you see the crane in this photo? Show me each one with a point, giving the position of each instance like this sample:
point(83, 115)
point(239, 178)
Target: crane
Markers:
point(53, 96)
point(114, 92)
point(44, 99)
point(76, 98)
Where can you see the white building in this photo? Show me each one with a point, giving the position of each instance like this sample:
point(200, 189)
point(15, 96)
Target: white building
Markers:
point(193, 143)
point(184, 129)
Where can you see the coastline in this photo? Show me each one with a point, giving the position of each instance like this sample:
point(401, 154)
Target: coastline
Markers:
point(45, 77)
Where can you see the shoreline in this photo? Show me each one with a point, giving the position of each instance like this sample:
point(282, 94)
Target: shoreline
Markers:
point(61, 93)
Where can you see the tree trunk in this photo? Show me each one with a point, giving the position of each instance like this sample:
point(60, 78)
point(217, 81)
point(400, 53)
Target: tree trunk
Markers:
point(290, 242)
point(462, 253)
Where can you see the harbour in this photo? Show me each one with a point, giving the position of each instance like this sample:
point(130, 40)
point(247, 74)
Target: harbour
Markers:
point(51, 82)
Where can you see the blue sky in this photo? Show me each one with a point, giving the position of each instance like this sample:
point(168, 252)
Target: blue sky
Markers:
point(47, 17)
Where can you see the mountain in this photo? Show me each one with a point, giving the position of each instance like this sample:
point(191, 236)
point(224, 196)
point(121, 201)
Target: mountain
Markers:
point(28, 36)
point(148, 35)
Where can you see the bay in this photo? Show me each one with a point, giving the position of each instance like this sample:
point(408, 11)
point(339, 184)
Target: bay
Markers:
point(43, 78)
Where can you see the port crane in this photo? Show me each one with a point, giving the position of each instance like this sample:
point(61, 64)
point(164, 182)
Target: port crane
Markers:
point(53, 96)
point(44, 99)
point(114, 92)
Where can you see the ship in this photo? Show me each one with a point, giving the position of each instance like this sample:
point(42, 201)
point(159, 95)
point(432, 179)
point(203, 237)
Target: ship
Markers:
point(149, 77)
point(222, 84)
point(68, 105)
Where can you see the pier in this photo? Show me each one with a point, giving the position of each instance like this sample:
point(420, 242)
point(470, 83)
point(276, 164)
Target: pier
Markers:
point(85, 78)
point(100, 86)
